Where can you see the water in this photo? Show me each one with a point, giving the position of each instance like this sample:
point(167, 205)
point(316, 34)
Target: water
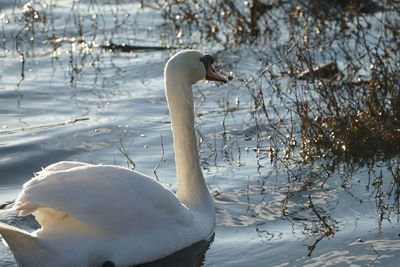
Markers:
point(78, 102)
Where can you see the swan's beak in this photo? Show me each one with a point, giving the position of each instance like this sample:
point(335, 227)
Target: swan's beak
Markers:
point(212, 75)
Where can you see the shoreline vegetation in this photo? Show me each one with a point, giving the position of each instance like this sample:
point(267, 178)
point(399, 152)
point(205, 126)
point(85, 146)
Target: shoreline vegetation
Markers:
point(326, 97)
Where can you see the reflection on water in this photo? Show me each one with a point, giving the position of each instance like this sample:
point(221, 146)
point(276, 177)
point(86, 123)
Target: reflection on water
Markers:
point(193, 256)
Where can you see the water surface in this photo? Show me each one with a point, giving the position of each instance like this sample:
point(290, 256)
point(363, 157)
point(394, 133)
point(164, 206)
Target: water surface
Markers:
point(73, 100)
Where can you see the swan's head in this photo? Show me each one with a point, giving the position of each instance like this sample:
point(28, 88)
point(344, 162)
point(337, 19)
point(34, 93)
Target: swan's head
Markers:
point(192, 66)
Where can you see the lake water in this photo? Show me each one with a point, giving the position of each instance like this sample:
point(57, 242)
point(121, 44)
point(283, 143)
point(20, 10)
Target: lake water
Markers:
point(73, 100)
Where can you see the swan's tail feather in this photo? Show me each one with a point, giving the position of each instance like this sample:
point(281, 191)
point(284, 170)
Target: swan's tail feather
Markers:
point(25, 247)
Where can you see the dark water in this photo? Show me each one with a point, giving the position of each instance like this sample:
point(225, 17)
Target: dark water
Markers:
point(72, 100)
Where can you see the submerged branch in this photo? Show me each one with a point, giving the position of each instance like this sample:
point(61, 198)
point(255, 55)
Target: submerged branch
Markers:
point(130, 48)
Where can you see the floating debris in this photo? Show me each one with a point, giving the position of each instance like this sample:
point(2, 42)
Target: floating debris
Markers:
point(323, 71)
point(42, 127)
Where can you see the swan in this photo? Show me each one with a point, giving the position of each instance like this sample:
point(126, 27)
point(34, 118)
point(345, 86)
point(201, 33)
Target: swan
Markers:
point(105, 215)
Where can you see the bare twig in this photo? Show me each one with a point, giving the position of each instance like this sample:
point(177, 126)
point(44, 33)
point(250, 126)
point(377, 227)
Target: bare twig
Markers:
point(129, 160)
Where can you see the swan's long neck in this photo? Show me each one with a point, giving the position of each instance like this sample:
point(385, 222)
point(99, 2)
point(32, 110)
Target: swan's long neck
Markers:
point(192, 189)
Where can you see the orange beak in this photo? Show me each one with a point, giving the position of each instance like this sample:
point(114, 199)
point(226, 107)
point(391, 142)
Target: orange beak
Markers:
point(212, 75)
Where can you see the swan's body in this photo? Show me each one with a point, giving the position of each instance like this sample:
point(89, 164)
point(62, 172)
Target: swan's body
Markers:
point(92, 214)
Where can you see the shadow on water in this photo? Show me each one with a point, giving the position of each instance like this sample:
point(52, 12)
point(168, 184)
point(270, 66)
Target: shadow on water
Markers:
point(193, 256)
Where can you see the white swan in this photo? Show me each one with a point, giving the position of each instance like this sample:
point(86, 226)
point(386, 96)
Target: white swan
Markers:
point(94, 215)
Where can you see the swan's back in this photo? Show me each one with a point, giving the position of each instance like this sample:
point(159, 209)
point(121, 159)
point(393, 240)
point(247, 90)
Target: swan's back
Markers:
point(102, 196)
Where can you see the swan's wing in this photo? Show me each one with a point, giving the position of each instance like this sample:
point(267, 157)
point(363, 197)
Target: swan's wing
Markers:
point(113, 200)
